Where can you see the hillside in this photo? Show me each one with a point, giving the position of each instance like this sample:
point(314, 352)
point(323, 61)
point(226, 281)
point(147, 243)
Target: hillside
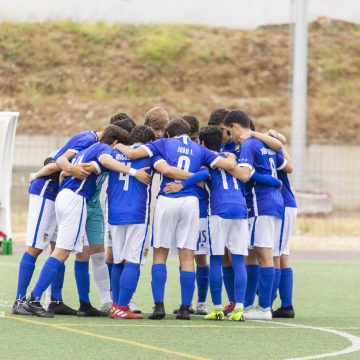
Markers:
point(64, 76)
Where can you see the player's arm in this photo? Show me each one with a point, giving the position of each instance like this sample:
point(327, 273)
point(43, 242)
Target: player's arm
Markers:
point(226, 164)
point(242, 173)
point(266, 180)
point(111, 164)
point(277, 135)
point(288, 165)
point(133, 154)
point(171, 171)
point(46, 170)
point(77, 171)
point(268, 140)
point(198, 177)
point(62, 176)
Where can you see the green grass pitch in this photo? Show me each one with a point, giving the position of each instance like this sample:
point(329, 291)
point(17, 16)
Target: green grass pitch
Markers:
point(326, 296)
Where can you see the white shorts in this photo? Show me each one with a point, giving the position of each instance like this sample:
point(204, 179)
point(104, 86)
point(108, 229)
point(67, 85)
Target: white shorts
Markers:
point(71, 215)
point(41, 226)
point(202, 247)
point(230, 233)
point(287, 228)
point(264, 230)
point(128, 242)
point(176, 223)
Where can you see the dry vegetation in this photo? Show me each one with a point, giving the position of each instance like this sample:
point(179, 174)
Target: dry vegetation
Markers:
point(66, 76)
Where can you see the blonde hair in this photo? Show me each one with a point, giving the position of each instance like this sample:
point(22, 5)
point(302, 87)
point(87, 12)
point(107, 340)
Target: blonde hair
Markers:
point(157, 118)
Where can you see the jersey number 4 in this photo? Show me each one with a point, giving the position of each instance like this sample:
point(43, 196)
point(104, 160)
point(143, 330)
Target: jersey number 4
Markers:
point(125, 177)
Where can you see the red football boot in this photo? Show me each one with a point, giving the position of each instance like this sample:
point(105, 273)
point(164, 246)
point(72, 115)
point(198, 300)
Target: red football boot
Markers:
point(123, 312)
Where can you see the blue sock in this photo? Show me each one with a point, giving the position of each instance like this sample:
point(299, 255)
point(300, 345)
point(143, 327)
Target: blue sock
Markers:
point(187, 284)
point(26, 270)
point(110, 265)
point(202, 281)
point(253, 272)
point(47, 276)
point(128, 282)
point(286, 287)
point(158, 280)
point(240, 277)
point(275, 285)
point(229, 278)
point(82, 278)
point(116, 272)
point(266, 282)
point(215, 279)
point(57, 284)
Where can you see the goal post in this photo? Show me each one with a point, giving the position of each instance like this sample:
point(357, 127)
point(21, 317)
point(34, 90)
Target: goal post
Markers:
point(8, 121)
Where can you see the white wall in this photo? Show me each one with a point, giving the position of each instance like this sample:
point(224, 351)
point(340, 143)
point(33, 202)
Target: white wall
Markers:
point(230, 13)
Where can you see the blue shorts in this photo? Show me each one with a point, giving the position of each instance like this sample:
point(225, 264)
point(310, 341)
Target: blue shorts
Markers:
point(95, 224)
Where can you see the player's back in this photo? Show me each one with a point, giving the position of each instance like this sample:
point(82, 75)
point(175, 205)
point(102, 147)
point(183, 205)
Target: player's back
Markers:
point(287, 194)
point(225, 196)
point(183, 153)
point(87, 187)
point(78, 142)
point(261, 199)
point(128, 198)
point(46, 187)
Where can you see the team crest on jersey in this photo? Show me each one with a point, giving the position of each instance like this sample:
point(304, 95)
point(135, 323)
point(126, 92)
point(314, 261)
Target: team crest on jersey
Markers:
point(45, 237)
point(237, 148)
point(82, 240)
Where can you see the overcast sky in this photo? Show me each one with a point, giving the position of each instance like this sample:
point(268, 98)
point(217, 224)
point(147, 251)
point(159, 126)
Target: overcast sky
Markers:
point(231, 13)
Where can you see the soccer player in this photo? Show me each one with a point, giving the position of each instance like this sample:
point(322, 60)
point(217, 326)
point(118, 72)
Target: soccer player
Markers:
point(216, 118)
point(266, 209)
point(283, 271)
point(125, 119)
point(41, 224)
point(41, 230)
point(70, 206)
point(157, 118)
point(227, 225)
point(202, 250)
point(176, 217)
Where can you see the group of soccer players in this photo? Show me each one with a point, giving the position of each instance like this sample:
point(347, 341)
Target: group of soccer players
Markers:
point(224, 207)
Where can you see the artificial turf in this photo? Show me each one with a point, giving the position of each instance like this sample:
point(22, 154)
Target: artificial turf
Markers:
point(326, 295)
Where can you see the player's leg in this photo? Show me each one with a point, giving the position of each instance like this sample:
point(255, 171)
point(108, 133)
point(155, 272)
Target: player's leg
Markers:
point(252, 268)
point(164, 223)
point(53, 294)
point(158, 280)
point(264, 239)
point(228, 278)
point(82, 277)
point(217, 236)
point(286, 280)
point(279, 230)
point(186, 237)
point(40, 228)
point(135, 238)
point(202, 282)
point(238, 243)
point(95, 237)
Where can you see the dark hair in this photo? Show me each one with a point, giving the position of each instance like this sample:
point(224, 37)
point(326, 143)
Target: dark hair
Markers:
point(112, 133)
point(177, 127)
point(212, 137)
point(54, 176)
point(217, 116)
point(252, 125)
point(193, 122)
point(142, 134)
point(125, 124)
point(122, 116)
point(237, 117)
